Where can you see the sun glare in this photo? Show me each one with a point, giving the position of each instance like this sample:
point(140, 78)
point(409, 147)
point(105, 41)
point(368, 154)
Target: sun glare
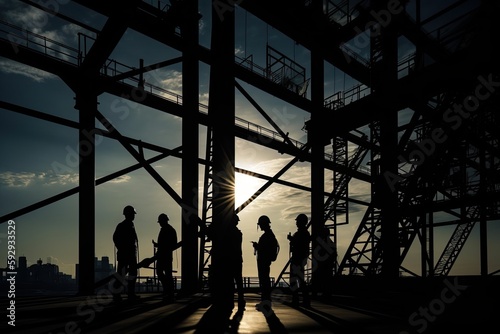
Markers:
point(246, 186)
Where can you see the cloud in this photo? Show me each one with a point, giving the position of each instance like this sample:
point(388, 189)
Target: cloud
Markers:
point(57, 179)
point(121, 179)
point(173, 82)
point(294, 201)
point(36, 21)
point(239, 51)
point(299, 173)
point(28, 179)
point(282, 196)
point(28, 17)
point(11, 67)
point(17, 180)
point(202, 27)
point(46, 30)
point(71, 31)
point(291, 212)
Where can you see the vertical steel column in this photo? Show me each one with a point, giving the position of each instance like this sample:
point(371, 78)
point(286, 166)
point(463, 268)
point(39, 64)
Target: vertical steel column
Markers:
point(423, 248)
point(483, 207)
point(86, 103)
point(430, 247)
point(221, 113)
point(317, 147)
point(190, 143)
point(388, 199)
point(427, 245)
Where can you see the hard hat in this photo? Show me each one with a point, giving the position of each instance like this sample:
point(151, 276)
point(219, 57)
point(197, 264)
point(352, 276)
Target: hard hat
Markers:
point(129, 209)
point(163, 217)
point(263, 220)
point(302, 219)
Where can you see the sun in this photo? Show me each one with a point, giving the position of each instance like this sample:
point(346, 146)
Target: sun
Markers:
point(245, 187)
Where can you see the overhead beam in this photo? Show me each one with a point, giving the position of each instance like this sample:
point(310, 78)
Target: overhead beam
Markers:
point(270, 181)
point(418, 86)
point(146, 69)
point(303, 26)
point(263, 113)
point(75, 190)
point(61, 16)
point(140, 159)
point(110, 35)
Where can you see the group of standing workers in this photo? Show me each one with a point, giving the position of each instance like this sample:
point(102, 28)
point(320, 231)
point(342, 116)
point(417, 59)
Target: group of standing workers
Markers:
point(126, 243)
point(266, 251)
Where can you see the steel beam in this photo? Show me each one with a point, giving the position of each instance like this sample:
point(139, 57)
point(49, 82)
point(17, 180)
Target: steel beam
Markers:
point(86, 103)
point(221, 114)
point(190, 140)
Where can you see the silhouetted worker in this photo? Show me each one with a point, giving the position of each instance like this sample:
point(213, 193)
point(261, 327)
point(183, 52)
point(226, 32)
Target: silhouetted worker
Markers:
point(227, 263)
point(222, 268)
point(299, 247)
point(126, 243)
point(236, 256)
point(167, 243)
point(266, 250)
point(325, 256)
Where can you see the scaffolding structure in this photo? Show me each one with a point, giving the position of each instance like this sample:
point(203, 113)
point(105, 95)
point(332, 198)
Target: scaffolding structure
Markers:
point(444, 158)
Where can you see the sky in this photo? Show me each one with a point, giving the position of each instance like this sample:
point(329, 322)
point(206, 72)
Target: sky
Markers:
point(39, 156)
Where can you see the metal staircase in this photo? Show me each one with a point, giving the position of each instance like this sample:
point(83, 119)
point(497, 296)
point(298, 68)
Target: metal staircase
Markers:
point(360, 253)
point(336, 205)
point(457, 241)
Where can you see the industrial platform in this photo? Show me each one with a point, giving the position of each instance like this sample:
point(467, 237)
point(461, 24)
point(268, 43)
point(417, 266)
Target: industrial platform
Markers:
point(454, 304)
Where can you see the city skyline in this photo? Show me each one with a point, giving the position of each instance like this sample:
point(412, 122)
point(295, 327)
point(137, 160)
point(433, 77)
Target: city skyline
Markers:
point(22, 262)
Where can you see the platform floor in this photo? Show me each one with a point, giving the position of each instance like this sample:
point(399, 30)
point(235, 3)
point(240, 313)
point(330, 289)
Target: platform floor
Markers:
point(454, 308)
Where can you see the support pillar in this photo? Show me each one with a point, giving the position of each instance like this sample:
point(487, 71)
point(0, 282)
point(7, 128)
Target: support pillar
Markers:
point(388, 194)
point(221, 113)
point(317, 151)
point(430, 230)
point(86, 103)
point(483, 206)
point(190, 143)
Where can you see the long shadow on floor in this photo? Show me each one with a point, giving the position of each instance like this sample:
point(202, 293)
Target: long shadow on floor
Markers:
point(274, 323)
point(215, 320)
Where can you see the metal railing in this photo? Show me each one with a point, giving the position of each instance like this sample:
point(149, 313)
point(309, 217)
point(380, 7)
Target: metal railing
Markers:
point(39, 43)
point(21, 37)
point(152, 284)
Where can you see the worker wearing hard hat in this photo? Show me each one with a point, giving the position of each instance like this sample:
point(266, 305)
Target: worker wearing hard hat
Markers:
point(126, 243)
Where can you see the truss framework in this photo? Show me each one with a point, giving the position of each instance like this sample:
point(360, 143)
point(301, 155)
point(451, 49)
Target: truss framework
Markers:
point(446, 157)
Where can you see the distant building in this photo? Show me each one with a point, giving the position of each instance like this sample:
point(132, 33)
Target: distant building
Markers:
point(22, 263)
point(46, 273)
point(39, 276)
point(102, 269)
point(46, 276)
point(22, 269)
